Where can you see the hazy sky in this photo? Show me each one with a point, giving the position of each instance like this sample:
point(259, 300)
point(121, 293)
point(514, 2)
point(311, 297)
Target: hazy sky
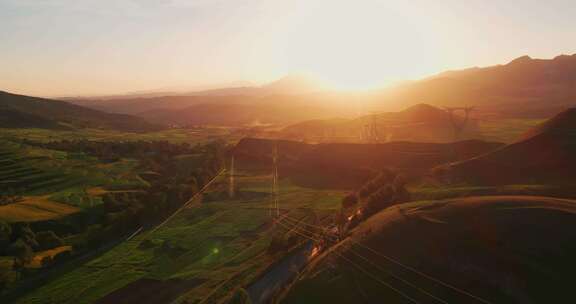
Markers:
point(80, 47)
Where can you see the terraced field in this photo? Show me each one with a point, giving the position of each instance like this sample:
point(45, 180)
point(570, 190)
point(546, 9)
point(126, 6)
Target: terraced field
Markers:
point(35, 208)
point(204, 253)
point(53, 184)
point(23, 173)
point(192, 136)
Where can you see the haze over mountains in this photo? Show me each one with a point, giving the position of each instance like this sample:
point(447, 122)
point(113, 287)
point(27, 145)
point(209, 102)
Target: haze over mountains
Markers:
point(18, 111)
point(525, 87)
point(418, 123)
point(538, 85)
point(541, 87)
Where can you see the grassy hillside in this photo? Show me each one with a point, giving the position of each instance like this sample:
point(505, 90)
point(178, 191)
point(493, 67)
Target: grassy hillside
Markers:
point(191, 136)
point(34, 209)
point(543, 155)
point(31, 170)
point(346, 166)
point(47, 113)
point(503, 249)
point(525, 87)
point(54, 183)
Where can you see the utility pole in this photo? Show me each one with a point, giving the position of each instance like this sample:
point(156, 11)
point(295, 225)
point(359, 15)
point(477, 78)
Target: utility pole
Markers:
point(458, 126)
point(275, 204)
point(370, 132)
point(276, 201)
point(231, 189)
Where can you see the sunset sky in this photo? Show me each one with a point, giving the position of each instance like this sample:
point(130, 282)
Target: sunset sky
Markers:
point(84, 47)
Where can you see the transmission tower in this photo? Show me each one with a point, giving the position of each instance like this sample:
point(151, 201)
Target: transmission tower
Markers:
point(458, 125)
point(275, 208)
point(370, 131)
point(231, 189)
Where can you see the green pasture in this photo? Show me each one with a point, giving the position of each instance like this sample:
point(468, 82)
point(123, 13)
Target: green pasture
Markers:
point(221, 242)
point(192, 136)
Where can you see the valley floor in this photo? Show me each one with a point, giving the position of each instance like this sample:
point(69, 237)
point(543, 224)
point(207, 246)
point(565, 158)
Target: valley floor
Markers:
point(204, 253)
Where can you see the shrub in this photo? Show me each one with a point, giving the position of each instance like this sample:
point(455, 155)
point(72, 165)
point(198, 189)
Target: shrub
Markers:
point(349, 201)
point(46, 261)
point(48, 240)
point(61, 256)
point(21, 252)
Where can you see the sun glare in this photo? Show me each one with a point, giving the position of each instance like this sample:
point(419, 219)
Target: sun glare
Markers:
point(355, 46)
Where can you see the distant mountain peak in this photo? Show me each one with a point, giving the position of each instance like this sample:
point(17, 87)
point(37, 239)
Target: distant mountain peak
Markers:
point(522, 59)
point(564, 58)
point(294, 83)
point(421, 107)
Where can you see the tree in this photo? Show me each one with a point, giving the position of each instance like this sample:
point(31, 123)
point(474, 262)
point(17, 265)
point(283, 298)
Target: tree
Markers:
point(61, 256)
point(48, 240)
point(349, 201)
point(21, 252)
point(46, 261)
point(379, 200)
point(25, 233)
point(7, 277)
point(5, 235)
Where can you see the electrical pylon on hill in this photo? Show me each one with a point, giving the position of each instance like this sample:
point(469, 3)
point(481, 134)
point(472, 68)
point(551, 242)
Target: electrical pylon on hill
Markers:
point(376, 129)
point(458, 126)
point(370, 132)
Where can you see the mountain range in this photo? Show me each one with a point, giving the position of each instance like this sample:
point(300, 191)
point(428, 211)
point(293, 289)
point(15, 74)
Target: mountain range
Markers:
point(525, 87)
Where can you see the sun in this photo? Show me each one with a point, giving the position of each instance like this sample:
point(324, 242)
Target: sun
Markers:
point(352, 45)
point(342, 81)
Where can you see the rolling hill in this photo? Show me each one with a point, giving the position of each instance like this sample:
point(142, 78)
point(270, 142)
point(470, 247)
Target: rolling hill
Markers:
point(540, 86)
point(19, 111)
point(418, 123)
point(544, 154)
point(342, 165)
point(499, 249)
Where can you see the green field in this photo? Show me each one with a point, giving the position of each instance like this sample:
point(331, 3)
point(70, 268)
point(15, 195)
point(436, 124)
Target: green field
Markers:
point(34, 171)
point(55, 183)
point(214, 244)
point(192, 136)
point(506, 130)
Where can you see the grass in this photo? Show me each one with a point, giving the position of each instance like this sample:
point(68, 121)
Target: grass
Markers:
point(37, 208)
point(35, 171)
point(435, 193)
point(80, 197)
point(220, 239)
point(39, 256)
point(192, 136)
point(506, 130)
point(55, 183)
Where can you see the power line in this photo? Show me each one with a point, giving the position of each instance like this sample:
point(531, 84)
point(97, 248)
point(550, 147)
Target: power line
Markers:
point(389, 272)
point(357, 266)
point(377, 279)
point(99, 274)
point(413, 269)
point(423, 274)
point(373, 264)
